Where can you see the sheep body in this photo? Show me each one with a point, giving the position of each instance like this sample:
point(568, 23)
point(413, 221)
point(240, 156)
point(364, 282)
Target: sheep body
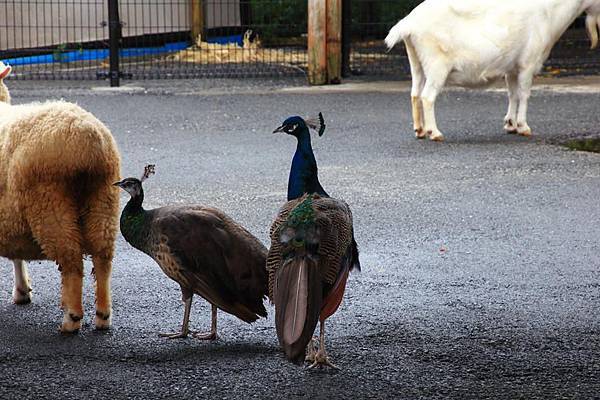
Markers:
point(57, 202)
point(476, 42)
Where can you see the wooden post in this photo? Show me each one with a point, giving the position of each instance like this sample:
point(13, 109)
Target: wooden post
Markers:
point(324, 41)
point(334, 41)
point(197, 20)
point(317, 44)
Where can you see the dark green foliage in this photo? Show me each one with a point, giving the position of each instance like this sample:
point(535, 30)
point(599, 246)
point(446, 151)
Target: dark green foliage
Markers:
point(374, 18)
point(277, 19)
point(587, 144)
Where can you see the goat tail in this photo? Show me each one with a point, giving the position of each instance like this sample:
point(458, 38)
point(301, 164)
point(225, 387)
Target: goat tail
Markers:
point(398, 33)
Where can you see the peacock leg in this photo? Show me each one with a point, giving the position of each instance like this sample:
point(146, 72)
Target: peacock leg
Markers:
point(321, 358)
point(311, 350)
point(212, 335)
point(187, 299)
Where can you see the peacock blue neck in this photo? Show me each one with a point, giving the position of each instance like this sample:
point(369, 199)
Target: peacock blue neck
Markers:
point(133, 222)
point(303, 174)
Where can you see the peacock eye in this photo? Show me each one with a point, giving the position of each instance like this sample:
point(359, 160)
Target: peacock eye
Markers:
point(292, 128)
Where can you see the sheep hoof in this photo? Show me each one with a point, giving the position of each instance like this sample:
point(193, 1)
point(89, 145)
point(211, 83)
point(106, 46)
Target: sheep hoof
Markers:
point(103, 320)
point(71, 323)
point(21, 296)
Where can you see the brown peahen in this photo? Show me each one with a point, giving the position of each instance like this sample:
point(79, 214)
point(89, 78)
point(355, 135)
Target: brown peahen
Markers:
point(203, 250)
point(312, 253)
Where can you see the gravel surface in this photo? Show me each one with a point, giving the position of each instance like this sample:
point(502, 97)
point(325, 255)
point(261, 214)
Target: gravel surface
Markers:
point(481, 262)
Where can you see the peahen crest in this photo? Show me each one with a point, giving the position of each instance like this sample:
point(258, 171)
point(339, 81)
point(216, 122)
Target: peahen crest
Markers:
point(148, 171)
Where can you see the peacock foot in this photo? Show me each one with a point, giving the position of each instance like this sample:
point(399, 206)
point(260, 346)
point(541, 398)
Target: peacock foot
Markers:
point(311, 350)
point(175, 335)
point(322, 360)
point(205, 336)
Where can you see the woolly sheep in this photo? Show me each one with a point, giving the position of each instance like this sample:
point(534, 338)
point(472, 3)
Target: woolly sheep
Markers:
point(57, 202)
point(474, 42)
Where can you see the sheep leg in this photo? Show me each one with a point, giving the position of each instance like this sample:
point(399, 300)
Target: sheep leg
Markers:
point(102, 271)
point(72, 287)
point(99, 229)
point(432, 88)
point(525, 81)
point(418, 81)
point(510, 120)
point(22, 289)
point(52, 215)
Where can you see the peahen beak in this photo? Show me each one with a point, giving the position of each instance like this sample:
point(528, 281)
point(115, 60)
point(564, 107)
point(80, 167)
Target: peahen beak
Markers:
point(280, 129)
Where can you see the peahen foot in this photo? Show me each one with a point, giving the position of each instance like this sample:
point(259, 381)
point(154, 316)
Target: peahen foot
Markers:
point(175, 335)
point(205, 336)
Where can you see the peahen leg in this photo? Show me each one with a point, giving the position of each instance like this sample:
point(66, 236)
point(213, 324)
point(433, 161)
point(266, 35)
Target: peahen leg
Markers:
point(187, 300)
point(212, 335)
point(321, 358)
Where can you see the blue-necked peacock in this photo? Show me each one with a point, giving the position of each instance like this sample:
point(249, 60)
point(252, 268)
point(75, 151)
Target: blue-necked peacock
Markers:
point(203, 250)
point(312, 252)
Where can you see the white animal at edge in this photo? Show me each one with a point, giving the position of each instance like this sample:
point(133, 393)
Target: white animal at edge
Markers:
point(474, 42)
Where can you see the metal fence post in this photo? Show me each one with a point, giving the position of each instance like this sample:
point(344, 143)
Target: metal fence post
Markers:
point(114, 39)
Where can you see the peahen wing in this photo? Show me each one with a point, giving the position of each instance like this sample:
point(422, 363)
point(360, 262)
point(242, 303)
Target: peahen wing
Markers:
point(214, 261)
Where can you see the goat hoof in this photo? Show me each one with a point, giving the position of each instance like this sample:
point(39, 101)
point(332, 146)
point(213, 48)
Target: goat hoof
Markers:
point(420, 134)
point(435, 137)
point(103, 320)
point(21, 296)
point(509, 126)
point(71, 323)
point(525, 133)
point(523, 129)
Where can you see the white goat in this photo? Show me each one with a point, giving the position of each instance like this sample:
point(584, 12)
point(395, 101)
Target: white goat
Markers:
point(474, 42)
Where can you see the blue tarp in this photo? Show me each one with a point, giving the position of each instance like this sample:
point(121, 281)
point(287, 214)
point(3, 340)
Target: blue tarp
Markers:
point(99, 54)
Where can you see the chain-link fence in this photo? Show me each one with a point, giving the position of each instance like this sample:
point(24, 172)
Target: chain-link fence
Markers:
point(73, 39)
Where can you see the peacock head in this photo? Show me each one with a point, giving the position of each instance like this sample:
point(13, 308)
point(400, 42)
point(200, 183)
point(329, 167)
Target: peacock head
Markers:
point(297, 125)
point(133, 186)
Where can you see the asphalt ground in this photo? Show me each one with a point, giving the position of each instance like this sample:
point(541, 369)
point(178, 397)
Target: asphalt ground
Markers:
point(481, 261)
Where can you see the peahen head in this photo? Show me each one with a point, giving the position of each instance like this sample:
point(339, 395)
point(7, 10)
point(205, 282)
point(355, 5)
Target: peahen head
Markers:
point(297, 126)
point(133, 186)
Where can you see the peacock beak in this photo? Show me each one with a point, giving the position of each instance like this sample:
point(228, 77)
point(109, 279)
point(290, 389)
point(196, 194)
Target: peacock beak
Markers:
point(280, 129)
point(118, 183)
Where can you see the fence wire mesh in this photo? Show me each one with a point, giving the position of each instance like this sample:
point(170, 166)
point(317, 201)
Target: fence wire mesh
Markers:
point(69, 39)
